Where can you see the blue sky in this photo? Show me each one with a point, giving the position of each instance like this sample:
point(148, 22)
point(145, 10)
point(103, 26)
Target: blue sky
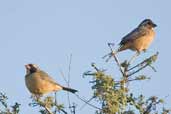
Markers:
point(47, 32)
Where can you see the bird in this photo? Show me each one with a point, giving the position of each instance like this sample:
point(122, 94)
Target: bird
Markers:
point(138, 39)
point(39, 82)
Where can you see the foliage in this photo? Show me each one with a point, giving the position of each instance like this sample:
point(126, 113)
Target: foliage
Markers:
point(47, 105)
point(112, 95)
point(5, 108)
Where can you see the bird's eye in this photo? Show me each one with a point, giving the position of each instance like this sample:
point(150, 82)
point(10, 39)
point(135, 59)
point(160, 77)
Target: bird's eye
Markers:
point(149, 23)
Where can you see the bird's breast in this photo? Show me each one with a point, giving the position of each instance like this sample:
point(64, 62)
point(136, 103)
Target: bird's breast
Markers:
point(142, 43)
point(38, 85)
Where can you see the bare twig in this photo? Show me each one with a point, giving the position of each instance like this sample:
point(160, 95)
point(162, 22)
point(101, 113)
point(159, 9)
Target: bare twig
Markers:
point(144, 64)
point(137, 70)
point(87, 102)
point(133, 57)
point(69, 69)
point(68, 82)
point(145, 61)
point(138, 65)
point(47, 109)
point(116, 59)
point(63, 76)
point(152, 68)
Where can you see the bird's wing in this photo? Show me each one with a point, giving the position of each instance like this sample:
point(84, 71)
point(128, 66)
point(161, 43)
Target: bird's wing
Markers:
point(46, 77)
point(136, 33)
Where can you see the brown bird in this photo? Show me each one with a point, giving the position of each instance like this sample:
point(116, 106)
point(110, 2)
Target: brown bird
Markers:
point(39, 82)
point(139, 39)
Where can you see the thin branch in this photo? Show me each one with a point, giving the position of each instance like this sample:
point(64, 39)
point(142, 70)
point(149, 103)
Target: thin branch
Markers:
point(69, 69)
point(55, 103)
point(116, 59)
point(144, 64)
point(63, 76)
point(64, 111)
point(87, 102)
point(149, 107)
point(133, 58)
point(68, 82)
point(39, 102)
point(145, 61)
point(47, 109)
point(133, 80)
point(94, 66)
point(73, 107)
point(152, 68)
point(140, 64)
point(137, 70)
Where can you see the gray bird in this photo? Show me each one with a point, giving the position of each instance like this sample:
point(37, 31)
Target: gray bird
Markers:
point(139, 39)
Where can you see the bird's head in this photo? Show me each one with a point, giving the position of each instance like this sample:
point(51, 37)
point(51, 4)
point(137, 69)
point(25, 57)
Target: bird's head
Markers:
point(31, 68)
point(147, 23)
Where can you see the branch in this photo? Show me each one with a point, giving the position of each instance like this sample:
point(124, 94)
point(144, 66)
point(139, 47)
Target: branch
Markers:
point(150, 59)
point(87, 102)
point(144, 64)
point(37, 101)
point(47, 109)
point(116, 59)
point(137, 70)
point(68, 82)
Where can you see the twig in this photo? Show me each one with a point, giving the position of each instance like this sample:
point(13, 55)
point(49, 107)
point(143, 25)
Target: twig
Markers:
point(39, 102)
point(68, 82)
point(47, 109)
point(130, 80)
point(152, 68)
point(63, 76)
point(94, 66)
point(138, 65)
point(145, 61)
point(69, 69)
point(55, 103)
point(137, 70)
point(64, 111)
point(133, 57)
point(116, 59)
point(87, 102)
point(73, 107)
point(149, 107)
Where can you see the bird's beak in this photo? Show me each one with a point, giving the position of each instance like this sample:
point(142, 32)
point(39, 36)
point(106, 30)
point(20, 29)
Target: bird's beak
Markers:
point(154, 25)
point(27, 66)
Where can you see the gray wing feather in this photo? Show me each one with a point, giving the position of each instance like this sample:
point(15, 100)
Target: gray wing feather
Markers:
point(136, 33)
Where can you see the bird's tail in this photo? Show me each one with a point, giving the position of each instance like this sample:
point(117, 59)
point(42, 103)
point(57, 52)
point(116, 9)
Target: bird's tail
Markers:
point(69, 89)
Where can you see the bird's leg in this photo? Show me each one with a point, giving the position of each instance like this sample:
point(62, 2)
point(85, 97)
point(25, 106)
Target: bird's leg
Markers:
point(133, 57)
